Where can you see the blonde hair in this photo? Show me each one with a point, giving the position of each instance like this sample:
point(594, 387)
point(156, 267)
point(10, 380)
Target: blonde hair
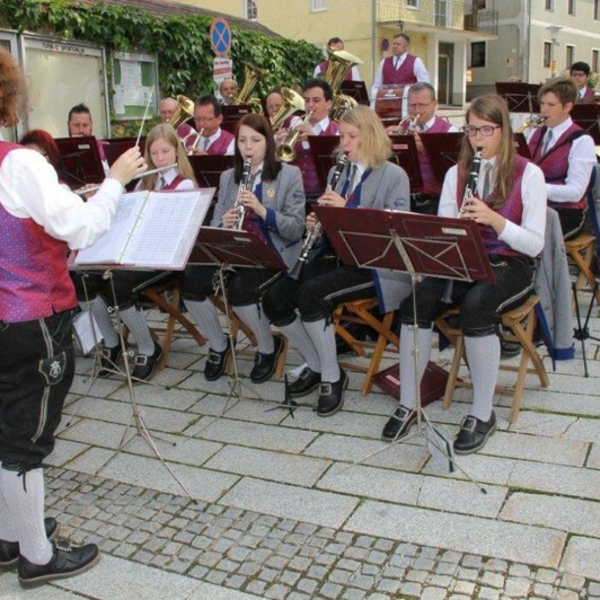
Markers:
point(375, 144)
point(163, 131)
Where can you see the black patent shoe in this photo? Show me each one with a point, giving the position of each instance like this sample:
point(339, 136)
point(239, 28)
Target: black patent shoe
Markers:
point(146, 365)
point(307, 381)
point(9, 551)
point(66, 561)
point(399, 424)
point(108, 361)
point(216, 363)
point(474, 434)
point(265, 364)
point(331, 395)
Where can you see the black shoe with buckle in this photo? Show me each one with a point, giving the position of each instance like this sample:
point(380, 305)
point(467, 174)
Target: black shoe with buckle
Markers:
point(265, 364)
point(146, 365)
point(331, 395)
point(216, 363)
point(307, 381)
point(509, 349)
point(9, 551)
point(473, 434)
point(66, 561)
point(108, 361)
point(399, 424)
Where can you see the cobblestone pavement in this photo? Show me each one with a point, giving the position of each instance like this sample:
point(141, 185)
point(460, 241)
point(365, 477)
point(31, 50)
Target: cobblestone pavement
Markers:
point(275, 507)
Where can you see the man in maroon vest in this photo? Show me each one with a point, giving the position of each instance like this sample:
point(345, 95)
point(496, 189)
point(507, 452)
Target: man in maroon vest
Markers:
point(422, 105)
point(580, 74)
point(211, 139)
point(336, 43)
point(80, 124)
point(318, 100)
point(167, 108)
point(401, 68)
point(565, 153)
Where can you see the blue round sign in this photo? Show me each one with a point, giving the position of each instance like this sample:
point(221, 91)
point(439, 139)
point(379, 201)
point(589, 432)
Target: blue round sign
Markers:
point(220, 36)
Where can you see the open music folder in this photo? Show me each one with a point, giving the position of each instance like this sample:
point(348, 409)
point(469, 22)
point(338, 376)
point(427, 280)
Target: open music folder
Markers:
point(154, 230)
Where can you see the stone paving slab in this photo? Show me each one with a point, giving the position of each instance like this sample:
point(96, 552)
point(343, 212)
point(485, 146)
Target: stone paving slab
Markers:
point(581, 557)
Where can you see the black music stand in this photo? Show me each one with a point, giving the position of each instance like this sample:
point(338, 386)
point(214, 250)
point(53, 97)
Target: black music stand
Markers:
point(521, 97)
point(116, 146)
point(232, 114)
point(207, 170)
point(416, 244)
point(227, 249)
point(406, 155)
point(587, 116)
point(323, 150)
point(356, 90)
point(521, 146)
point(80, 160)
point(443, 150)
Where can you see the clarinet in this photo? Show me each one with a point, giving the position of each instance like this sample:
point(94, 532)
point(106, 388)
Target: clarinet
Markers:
point(468, 194)
point(244, 185)
point(315, 231)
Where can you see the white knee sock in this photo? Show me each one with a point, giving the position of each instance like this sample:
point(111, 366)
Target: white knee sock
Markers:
point(483, 354)
point(105, 323)
point(409, 380)
point(259, 325)
point(206, 317)
point(323, 339)
point(299, 338)
point(7, 526)
point(24, 495)
point(135, 320)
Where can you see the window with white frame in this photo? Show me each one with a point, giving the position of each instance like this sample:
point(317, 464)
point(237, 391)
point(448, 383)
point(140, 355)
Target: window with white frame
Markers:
point(549, 5)
point(316, 5)
point(477, 54)
point(597, 10)
point(547, 54)
point(412, 3)
point(595, 60)
point(570, 55)
point(571, 7)
point(251, 10)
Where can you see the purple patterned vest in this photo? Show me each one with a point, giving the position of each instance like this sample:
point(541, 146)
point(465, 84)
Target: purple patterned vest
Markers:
point(555, 164)
point(220, 145)
point(512, 210)
point(34, 279)
point(305, 161)
point(405, 75)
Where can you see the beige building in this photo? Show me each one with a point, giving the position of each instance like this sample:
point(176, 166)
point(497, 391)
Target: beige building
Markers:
point(441, 31)
point(537, 39)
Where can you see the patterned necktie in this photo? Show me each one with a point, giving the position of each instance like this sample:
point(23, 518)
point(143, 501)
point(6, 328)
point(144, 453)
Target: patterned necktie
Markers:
point(547, 141)
point(487, 181)
point(352, 180)
point(205, 143)
point(160, 183)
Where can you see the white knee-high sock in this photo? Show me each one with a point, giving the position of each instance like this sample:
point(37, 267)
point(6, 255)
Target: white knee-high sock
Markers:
point(323, 339)
point(206, 317)
point(7, 525)
point(24, 495)
point(409, 380)
point(259, 325)
point(99, 309)
point(296, 333)
point(483, 354)
point(135, 319)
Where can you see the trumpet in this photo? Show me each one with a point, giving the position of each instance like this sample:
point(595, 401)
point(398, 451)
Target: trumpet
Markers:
point(285, 151)
point(315, 231)
point(410, 125)
point(196, 136)
point(94, 187)
point(535, 122)
point(245, 183)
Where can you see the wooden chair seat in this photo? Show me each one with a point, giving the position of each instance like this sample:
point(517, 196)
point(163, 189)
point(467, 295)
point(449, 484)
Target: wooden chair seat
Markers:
point(359, 311)
point(519, 324)
point(580, 251)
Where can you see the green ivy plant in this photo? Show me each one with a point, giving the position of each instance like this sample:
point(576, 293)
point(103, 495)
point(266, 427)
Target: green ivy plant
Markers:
point(181, 43)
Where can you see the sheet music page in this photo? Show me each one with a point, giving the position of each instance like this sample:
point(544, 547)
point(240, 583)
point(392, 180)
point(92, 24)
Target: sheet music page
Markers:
point(109, 248)
point(168, 228)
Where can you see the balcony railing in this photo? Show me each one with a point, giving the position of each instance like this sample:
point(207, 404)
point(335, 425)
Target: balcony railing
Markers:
point(459, 15)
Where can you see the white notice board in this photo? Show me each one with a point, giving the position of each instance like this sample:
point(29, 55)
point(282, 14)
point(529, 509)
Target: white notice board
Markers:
point(135, 81)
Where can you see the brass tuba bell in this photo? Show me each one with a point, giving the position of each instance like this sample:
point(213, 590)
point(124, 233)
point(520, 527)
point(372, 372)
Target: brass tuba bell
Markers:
point(339, 64)
point(292, 102)
point(252, 75)
point(185, 111)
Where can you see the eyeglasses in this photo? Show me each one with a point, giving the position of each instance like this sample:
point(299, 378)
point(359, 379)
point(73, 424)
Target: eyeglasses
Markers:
point(420, 105)
point(484, 130)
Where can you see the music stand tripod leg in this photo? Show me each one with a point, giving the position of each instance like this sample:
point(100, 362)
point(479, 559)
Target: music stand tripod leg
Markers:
point(582, 332)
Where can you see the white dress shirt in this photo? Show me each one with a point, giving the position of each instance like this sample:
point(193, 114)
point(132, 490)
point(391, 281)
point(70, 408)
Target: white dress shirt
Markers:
point(419, 70)
point(213, 138)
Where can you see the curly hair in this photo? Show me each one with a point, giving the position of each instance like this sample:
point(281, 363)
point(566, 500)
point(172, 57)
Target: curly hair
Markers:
point(13, 91)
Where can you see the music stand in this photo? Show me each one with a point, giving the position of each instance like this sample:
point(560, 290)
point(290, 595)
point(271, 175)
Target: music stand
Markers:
point(416, 244)
point(356, 90)
point(521, 146)
point(80, 160)
point(227, 248)
point(323, 150)
point(116, 146)
point(521, 97)
point(587, 116)
point(406, 155)
point(443, 150)
point(232, 114)
point(207, 170)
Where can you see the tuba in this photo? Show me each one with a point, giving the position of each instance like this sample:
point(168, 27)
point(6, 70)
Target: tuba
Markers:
point(185, 111)
point(339, 64)
point(252, 75)
point(292, 102)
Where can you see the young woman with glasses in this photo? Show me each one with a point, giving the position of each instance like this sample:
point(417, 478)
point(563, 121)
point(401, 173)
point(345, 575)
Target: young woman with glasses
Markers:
point(512, 223)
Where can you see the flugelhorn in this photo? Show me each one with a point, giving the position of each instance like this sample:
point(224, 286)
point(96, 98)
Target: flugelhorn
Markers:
point(410, 125)
point(285, 151)
point(315, 231)
point(239, 206)
point(535, 122)
point(193, 134)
